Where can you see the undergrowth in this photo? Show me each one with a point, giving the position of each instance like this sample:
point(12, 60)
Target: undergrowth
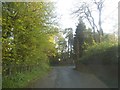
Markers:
point(105, 52)
point(21, 80)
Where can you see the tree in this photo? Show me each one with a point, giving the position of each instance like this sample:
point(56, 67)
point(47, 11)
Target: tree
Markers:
point(79, 41)
point(99, 8)
point(69, 35)
point(26, 31)
point(62, 44)
point(85, 12)
point(88, 39)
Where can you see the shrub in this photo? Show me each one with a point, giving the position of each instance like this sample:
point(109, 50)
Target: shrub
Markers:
point(105, 52)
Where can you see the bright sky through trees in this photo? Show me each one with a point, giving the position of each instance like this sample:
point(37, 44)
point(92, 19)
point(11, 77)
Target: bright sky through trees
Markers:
point(109, 14)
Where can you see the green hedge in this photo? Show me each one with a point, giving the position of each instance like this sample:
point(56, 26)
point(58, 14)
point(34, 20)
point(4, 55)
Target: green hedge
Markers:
point(105, 53)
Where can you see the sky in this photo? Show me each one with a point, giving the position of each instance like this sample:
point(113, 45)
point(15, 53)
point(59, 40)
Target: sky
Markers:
point(64, 8)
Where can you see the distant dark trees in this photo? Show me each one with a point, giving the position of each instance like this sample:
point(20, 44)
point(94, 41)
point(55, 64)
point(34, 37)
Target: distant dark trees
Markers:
point(79, 40)
point(69, 36)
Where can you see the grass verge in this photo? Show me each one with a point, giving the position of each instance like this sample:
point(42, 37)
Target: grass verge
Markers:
point(21, 80)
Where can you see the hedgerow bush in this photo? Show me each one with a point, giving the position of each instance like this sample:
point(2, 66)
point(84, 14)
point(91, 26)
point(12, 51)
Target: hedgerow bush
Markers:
point(104, 52)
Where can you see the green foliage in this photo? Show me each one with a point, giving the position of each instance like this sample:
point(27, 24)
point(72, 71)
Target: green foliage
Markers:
point(26, 31)
point(109, 38)
point(79, 39)
point(69, 36)
point(88, 39)
point(104, 52)
point(21, 80)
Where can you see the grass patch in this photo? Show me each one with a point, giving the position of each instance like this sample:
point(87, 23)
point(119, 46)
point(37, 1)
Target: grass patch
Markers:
point(21, 80)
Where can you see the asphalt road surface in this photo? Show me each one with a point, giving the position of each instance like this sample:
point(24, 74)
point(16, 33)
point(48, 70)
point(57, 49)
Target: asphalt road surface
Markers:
point(67, 77)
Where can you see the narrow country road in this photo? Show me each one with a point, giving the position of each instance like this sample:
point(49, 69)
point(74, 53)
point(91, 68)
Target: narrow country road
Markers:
point(67, 77)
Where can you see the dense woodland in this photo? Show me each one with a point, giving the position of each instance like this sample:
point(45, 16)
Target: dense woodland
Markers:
point(31, 39)
point(27, 36)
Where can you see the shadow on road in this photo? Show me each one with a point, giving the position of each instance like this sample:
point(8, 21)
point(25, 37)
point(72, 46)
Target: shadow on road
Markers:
point(68, 77)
